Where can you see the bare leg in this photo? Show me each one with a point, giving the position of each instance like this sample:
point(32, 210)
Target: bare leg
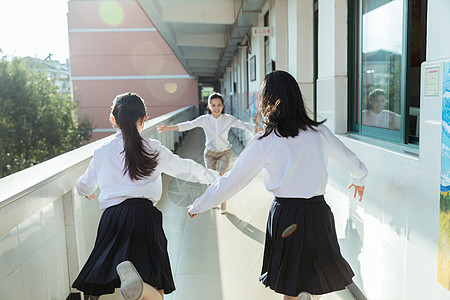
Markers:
point(289, 298)
point(150, 293)
point(222, 167)
point(305, 295)
point(132, 286)
point(223, 206)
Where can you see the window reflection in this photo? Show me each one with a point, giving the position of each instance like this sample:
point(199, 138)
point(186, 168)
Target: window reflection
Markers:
point(382, 63)
point(376, 115)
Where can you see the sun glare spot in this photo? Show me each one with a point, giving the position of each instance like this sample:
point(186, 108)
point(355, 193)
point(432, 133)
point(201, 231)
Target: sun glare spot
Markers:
point(111, 13)
point(170, 87)
point(288, 231)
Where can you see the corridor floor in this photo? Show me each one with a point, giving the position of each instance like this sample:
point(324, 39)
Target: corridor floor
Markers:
point(215, 256)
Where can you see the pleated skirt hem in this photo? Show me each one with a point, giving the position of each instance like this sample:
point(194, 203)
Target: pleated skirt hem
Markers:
point(301, 250)
point(131, 230)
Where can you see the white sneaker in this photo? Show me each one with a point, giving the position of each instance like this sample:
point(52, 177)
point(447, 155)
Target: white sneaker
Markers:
point(222, 211)
point(131, 284)
point(305, 296)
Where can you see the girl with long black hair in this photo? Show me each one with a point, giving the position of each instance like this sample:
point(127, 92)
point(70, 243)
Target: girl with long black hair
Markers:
point(301, 256)
point(130, 250)
point(216, 125)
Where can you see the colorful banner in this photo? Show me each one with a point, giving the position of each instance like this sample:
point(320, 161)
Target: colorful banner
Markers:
point(444, 211)
point(253, 105)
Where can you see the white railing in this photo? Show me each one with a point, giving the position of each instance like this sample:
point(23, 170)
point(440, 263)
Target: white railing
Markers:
point(46, 229)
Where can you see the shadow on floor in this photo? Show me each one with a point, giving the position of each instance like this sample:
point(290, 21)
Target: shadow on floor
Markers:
point(247, 228)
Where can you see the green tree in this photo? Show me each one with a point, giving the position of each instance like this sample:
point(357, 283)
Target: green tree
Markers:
point(36, 121)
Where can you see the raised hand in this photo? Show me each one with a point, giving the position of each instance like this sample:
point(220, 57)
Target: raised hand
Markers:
point(162, 128)
point(358, 189)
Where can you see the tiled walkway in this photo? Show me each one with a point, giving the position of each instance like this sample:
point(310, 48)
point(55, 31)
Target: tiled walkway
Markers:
point(214, 256)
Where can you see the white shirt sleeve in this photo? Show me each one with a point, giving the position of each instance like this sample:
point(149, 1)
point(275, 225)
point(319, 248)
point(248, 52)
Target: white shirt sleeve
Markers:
point(188, 125)
point(87, 184)
point(249, 163)
point(185, 169)
point(343, 157)
point(243, 125)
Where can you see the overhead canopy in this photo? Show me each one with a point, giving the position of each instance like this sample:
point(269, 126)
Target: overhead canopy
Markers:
point(204, 34)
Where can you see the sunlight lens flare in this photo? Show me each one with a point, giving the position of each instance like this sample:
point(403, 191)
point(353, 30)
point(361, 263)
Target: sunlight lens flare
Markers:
point(169, 90)
point(170, 87)
point(111, 13)
point(288, 231)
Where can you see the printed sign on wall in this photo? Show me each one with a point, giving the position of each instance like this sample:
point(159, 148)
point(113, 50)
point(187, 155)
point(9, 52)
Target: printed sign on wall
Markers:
point(253, 105)
point(444, 211)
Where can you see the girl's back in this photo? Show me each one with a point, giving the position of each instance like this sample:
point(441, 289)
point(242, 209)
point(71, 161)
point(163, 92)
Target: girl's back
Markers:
point(301, 251)
point(293, 167)
point(297, 167)
point(114, 184)
point(107, 170)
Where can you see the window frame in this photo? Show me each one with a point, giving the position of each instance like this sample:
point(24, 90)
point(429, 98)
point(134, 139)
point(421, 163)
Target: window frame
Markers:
point(354, 64)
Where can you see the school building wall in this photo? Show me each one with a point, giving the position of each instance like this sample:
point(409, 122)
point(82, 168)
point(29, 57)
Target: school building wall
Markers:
point(391, 237)
point(114, 48)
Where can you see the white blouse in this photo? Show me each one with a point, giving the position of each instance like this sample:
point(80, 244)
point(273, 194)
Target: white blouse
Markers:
point(216, 130)
point(106, 171)
point(292, 167)
point(384, 119)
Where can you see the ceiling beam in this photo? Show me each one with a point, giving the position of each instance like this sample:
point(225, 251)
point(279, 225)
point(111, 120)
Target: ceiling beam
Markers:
point(201, 53)
point(201, 40)
point(196, 12)
point(203, 63)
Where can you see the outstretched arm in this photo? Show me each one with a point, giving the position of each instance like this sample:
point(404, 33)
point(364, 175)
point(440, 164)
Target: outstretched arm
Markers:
point(243, 125)
point(185, 169)
point(87, 184)
point(188, 125)
point(164, 128)
point(249, 163)
point(343, 157)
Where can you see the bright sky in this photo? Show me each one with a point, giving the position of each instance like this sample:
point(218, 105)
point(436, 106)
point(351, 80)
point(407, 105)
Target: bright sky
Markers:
point(383, 28)
point(34, 28)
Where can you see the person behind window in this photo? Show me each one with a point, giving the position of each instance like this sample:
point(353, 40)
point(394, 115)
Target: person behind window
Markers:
point(377, 116)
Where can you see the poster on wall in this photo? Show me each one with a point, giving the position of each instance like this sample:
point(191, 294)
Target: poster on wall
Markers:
point(253, 105)
point(444, 211)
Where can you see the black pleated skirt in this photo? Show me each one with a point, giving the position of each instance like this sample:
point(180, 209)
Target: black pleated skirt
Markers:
point(131, 230)
point(301, 250)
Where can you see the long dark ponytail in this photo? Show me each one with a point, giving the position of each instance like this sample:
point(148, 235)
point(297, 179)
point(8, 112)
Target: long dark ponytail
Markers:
point(281, 103)
point(127, 109)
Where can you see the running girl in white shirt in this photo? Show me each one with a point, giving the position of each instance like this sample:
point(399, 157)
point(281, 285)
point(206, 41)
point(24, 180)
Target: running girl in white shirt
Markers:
point(301, 256)
point(130, 238)
point(216, 125)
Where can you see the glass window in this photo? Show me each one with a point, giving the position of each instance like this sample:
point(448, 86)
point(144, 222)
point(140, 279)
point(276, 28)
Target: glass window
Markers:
point(382, 53)
point(383, 104)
